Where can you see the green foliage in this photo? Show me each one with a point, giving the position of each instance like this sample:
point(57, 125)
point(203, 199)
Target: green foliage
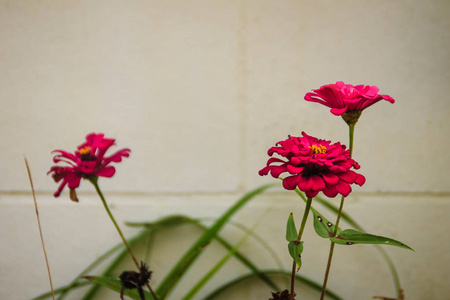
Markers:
point(351, 236)
point(177, 272)
point(115, 285)
point(295, 247)
point(295, 250)
point(326, 229)
point(347, 218)
point(291, 231)
point(322, 226)
point(271, 273)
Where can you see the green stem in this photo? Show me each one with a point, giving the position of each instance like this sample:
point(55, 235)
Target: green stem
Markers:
point(305, 217)
point(351, 131)
point(94, 180)
point(299, 237)
point(330, 254)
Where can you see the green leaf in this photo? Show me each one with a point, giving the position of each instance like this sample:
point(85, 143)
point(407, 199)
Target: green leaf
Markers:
point(325, 229)
point(322, 226)
point(350, 237)
point(354, 224)
point(183, 264)
point(344, 216)
point(295, 250)
point(291, 231)
point(116, 285)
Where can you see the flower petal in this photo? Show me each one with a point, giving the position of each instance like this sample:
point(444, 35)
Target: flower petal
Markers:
point(276, 171)
point(330, 178)
point(330, 191)
point(73, 180)
point(311, 194)
point(317, 183)
point(360, 180)
point(338, 111)
point(106, 172)
point(343, 188)
point(117, 157)
point(291, 182)
point(294, 169)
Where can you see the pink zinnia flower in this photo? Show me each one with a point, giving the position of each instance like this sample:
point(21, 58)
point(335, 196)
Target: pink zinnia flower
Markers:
point(341, 97)
point(314, 166)
point(89, 161)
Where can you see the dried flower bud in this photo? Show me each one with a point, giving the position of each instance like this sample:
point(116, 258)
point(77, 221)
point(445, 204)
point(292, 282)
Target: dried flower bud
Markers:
point(284, 295)
point(134, 280)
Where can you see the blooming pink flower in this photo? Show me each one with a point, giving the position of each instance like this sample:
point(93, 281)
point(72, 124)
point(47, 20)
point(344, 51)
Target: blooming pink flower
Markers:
point(341, 97)
point(314, 166)
point(89, 161)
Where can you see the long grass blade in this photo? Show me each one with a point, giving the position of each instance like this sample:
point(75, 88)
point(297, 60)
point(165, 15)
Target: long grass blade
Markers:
point(180, 220)
point(75, 282)
point(78, 281)
point(217, 267)
point(116, 285)
point(312, 284)
point(61, 289)
point(260, 240)
point(113, 265)
point(192, 254)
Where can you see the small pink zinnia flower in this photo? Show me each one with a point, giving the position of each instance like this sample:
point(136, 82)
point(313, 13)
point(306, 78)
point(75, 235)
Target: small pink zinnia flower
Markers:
point(341, 97)
point(314, 166)
point(89, 161)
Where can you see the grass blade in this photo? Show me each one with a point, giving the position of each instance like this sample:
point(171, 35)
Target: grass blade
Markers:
point(75, 282)
point(217, 267)
point(178, 220)
point(312, 284)
point(192, 254)
point(116, 285)
point(62, 289)
point(122, 255)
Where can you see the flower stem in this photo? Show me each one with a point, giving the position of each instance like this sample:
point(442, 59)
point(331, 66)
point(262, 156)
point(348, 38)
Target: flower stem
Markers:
point(93, 180)
point(330, 254)
point(299, 237)
point(351, 128)
point(351, 131)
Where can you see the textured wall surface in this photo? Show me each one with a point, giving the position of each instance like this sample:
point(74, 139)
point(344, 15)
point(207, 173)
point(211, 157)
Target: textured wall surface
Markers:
point(199, 90)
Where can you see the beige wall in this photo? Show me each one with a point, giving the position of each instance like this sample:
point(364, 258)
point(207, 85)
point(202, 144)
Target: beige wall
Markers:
point(199, 90)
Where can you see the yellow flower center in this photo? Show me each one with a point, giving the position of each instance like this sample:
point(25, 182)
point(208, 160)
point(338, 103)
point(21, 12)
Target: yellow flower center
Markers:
point(85, 151)
point(318, 149)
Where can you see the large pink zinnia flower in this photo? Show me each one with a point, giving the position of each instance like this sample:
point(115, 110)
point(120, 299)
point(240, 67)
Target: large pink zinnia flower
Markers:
point(89, 161)
point(314, 166)
point(341, 97)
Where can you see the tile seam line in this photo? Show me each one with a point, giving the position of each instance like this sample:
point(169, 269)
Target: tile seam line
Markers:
point(241, 74)
point(223, 193)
